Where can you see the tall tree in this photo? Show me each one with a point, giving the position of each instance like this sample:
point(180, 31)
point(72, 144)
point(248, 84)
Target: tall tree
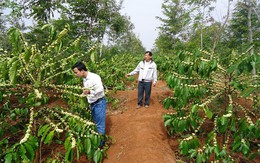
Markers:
point(4, 43)
point(183, 19)
point(121, 37)
point(92, 18)
point(2, 27)
point(244, 28)
point(40, 10)
point(201, 15)
point(176, 21)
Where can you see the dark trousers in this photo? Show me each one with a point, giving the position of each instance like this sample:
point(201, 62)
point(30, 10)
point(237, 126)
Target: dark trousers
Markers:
point(144, 87)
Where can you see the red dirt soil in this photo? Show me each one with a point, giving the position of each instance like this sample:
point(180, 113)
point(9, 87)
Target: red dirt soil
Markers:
point(139, 135)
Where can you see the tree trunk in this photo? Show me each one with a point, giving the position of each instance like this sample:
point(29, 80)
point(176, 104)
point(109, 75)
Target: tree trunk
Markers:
point(220, 31)
point(249, 24)
point(250, 33)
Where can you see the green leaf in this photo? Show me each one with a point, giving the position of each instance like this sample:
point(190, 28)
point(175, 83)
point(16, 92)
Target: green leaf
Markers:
point(194, 108)
point(30, 150)
point(67, 143)
point(233, 125)
point(69, 155)
point(12, 60)
point(49, 137)
point(42, 129)
point(245, 149)
point(184, 148)
point(13, 116)
point(214, 65)
point(193, 153)
point(199, 158)
point(92, 57)
point(8, 158)
point(167, 103)
point(223, 121)
point(208, 113)
point(210, 137)
point(46, 26)
point(229, 108)
point(1, 133)
point(83, 103)
point(95, 140)
point(217, 151)
point(236, 145)
point(27, 55)
point(37, 104)
point(168, 122)
point(247, 92)
point(88, 146)
point(17, 111)
point(97, 156)
point(195, 142)
point(37, 60)
point(4, 70)
point(61, 44)
point(23, 152)
point(13, 72)
point(45, 133)
point(223, 153)
point(181, 125)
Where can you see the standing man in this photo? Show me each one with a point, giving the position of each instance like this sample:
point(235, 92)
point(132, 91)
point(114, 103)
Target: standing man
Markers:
point(95, 95)
point(147, 70)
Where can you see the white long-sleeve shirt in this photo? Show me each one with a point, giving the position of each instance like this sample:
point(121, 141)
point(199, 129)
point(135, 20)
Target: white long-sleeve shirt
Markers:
point(94, 83)
point(146, 70)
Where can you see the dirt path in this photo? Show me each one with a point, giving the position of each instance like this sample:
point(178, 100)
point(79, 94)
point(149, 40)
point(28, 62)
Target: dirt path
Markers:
point(139, 135)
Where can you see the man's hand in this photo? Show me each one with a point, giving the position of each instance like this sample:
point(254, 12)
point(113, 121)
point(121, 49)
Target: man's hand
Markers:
point(86, 92)
point(127, 75)
point(154, 84)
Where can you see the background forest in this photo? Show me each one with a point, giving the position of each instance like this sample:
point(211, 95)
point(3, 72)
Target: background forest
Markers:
point(186, 24)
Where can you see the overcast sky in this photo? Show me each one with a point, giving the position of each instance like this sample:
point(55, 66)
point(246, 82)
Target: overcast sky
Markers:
point(143, 15)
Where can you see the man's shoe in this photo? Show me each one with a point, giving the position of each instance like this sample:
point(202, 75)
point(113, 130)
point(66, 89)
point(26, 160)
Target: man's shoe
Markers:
point(146, 106)
point(138, 106)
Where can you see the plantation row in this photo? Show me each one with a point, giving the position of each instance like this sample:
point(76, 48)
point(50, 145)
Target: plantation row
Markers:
point(207, 90)
point(209, 116)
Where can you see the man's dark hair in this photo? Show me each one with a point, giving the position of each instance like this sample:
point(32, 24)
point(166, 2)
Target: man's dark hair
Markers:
point(80, 66)
point(149, 52)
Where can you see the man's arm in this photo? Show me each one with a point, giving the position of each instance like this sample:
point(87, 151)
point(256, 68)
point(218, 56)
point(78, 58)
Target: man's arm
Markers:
point(135, 71)
point(155, 76)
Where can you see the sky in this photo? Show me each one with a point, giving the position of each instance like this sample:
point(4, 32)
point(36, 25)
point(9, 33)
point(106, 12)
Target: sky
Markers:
point(143, 15)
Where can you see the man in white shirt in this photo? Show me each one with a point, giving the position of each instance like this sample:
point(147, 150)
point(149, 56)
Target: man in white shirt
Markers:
point(95, 94)
point(147, 71)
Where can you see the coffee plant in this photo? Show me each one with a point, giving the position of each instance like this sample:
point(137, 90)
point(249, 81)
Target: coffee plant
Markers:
point(32, 78)
point(113, 69)
point(216, 105)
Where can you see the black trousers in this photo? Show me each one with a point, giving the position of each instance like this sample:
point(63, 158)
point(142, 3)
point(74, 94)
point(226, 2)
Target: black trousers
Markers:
point(144, 87)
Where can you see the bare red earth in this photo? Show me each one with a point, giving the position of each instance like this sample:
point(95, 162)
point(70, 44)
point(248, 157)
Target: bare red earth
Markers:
point(139, 135)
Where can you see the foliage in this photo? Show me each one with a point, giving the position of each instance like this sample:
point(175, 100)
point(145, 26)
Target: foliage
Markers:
point(182, 20)
point(189, 24)
point(199, 81)
point(175, 24)
point(114, 69)
point(237, 32)
point(31, 75)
